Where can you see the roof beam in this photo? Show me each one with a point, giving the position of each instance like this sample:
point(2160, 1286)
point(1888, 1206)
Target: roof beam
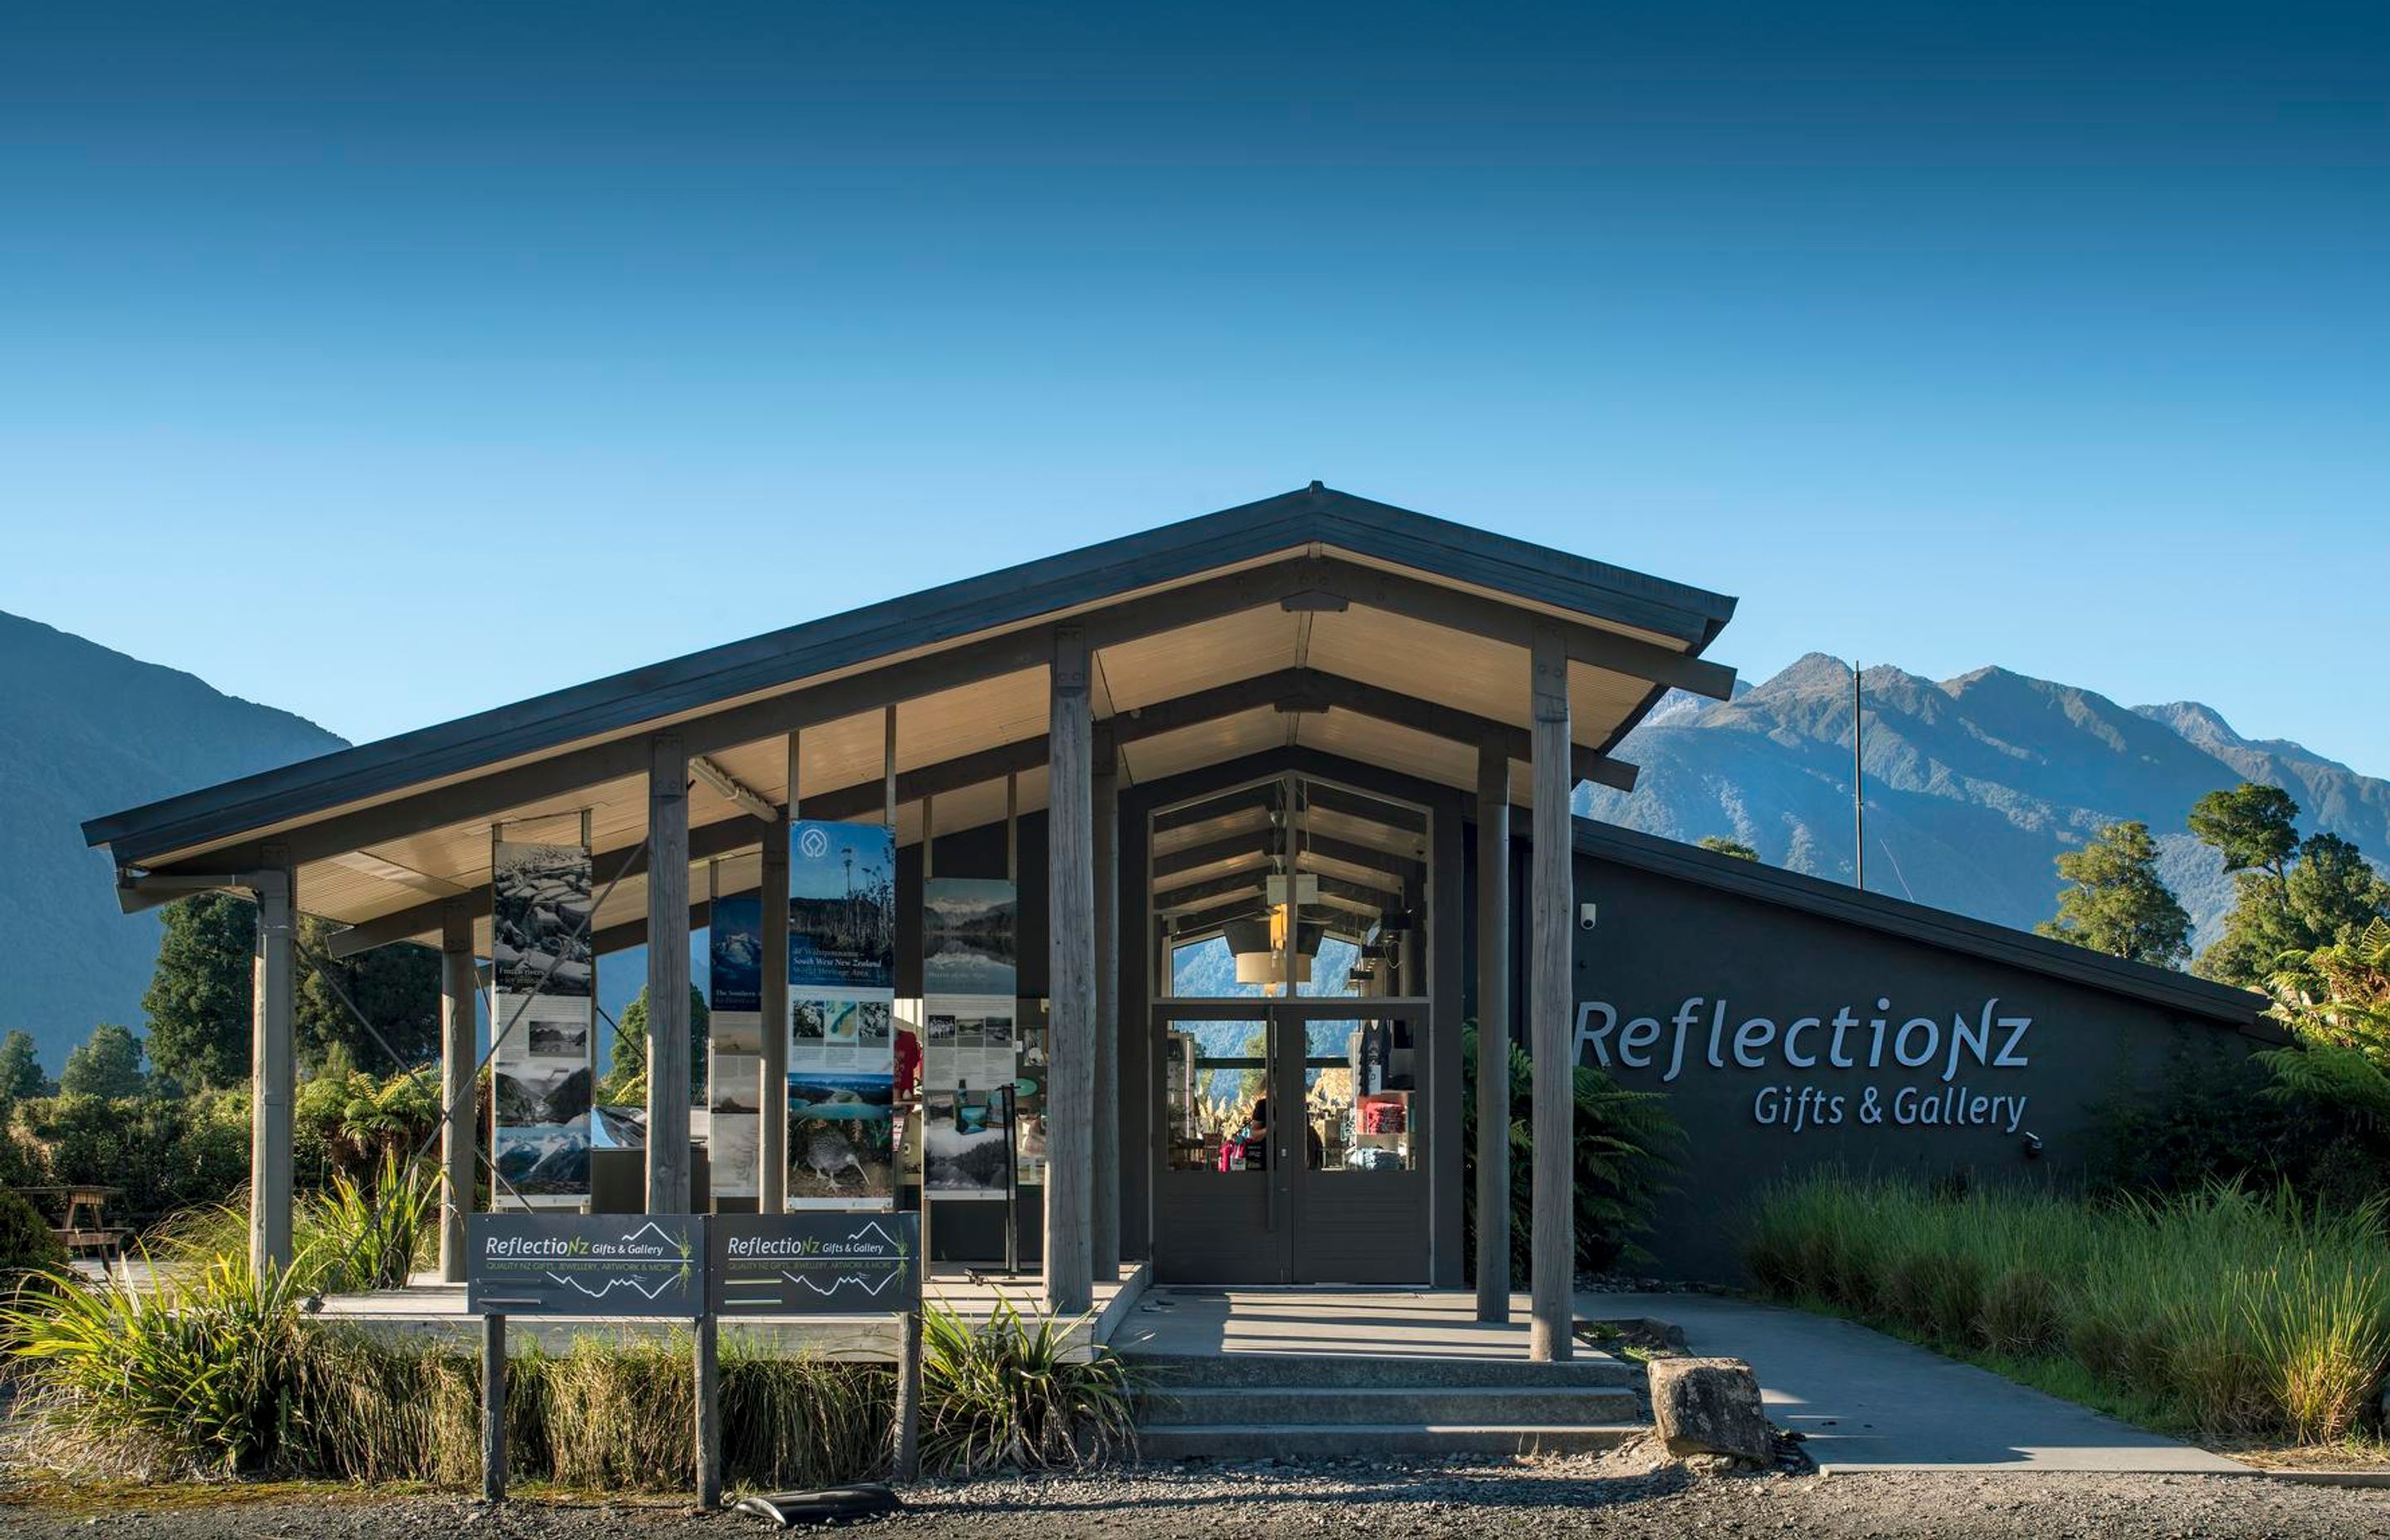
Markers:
point(1221, 890)
point(1195, 857)
point(1313, 689)
point(725, 836)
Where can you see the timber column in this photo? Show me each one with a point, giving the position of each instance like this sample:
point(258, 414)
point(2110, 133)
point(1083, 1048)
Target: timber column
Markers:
point(1551, 898)
point(1071, 978)
point(668, 976)
point(1493, 1033)
point(274, 1071)
point(771, 1148)
point(461, 1104)
point(1104, 1236)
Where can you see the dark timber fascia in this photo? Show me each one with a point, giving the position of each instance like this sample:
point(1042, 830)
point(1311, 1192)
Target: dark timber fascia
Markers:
point(1016, 595)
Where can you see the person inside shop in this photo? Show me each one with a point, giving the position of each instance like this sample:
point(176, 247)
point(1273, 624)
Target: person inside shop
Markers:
point(1254, 1146)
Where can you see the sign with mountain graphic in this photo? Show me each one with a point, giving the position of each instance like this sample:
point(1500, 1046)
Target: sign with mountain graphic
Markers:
point(815, 1263)
point(586, 1264)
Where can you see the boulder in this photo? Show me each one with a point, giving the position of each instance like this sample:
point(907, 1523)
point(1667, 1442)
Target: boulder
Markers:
point(1710, 1406)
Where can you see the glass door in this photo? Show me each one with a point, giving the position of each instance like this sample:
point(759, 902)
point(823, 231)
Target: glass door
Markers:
point(1293, 1147)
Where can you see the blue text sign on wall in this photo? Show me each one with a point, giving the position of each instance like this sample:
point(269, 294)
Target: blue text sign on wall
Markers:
point(586, 1265)
point(814, 1263)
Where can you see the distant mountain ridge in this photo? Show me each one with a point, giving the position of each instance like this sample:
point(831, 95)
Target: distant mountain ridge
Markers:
point(1975, 785)
point(85, 731)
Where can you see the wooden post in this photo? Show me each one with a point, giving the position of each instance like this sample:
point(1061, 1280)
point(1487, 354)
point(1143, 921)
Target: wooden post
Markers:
point(460, 1128)
point(1553, 1266)
point(275, 1084)
point(668, 1068)
point(772, 1148)
point(1070, 907)
point(494, 1408)
point(1493, 1033)
point(1104, 1234)
point(907, 1431)
point(707, 1356)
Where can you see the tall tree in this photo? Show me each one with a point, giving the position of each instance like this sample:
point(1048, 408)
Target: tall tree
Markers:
point(20, 1066)
point(397, 988)
point(2254, 825)
point(2117, 903)
point(197, 1002)
point(626, 1075)
point(106, 1064)
point(1724, 846)
point(2327, 894)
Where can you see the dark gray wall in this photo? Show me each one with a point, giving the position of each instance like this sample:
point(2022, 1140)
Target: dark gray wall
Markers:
point(1661, 941)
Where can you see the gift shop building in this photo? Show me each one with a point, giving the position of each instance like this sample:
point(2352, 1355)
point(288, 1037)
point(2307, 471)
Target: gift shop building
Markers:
point(1123, 910)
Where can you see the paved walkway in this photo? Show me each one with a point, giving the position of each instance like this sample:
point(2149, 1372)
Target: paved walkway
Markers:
point(1868, 1401)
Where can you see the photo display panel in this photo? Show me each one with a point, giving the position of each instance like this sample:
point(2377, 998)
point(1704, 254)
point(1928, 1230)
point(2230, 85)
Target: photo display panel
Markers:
point(971, 1048)
point(840, 1096)
point(542, 1007)
point(734, 1073)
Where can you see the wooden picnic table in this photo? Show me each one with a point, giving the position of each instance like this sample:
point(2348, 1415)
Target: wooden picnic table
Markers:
point(83, 1225)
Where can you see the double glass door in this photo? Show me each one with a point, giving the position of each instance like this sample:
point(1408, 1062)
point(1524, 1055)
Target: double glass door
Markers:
point(1293, 1145)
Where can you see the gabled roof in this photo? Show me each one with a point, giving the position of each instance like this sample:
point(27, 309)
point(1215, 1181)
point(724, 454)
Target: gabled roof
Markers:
point(1342, 600)
point(1846, 905)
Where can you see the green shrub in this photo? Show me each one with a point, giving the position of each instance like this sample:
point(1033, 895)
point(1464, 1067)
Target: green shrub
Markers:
point(26, 1243)
point(357, 1238)
point(1003, 1395)
point(197, 1375)
point(2232, 1313)
point(161, 1153)
point(1628, 1152)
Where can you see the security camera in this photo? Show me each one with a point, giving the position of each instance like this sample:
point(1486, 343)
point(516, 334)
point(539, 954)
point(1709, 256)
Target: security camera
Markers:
point(2032, 1147)
point(1585, 917)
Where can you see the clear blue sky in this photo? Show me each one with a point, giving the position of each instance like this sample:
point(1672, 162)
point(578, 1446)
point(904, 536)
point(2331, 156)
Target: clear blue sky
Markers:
point(2054, 336)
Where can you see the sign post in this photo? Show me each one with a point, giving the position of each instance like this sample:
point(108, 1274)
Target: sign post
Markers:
point(707, 1355)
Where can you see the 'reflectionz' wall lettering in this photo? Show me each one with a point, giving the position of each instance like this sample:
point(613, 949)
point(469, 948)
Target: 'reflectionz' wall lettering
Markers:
point(1787, 1037)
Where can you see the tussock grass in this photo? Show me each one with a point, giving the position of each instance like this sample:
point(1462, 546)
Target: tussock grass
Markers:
point(212, 1373)
point(2228, 1313)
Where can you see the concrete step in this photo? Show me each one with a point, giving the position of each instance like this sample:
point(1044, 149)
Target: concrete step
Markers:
point(1170, 1371)
point(1246, 1440)
point(1535, 1405)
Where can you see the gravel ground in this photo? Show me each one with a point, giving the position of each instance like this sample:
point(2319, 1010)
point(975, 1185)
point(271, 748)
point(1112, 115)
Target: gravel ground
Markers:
point(1628, 1493)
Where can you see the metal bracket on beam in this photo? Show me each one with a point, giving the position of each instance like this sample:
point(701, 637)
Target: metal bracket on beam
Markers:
point(137, 891)
point(731, 788)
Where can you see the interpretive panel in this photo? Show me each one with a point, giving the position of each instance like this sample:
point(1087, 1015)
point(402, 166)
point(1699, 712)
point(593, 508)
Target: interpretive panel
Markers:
point(543, 995)
point(814, 1263)
point(586, 1265)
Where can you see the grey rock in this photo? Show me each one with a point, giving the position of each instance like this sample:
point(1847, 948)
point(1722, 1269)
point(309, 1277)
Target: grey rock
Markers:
point(1710, 1406)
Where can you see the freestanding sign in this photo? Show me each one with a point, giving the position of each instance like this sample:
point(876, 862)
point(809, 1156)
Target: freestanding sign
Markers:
point(586, 1264)
point(697, 1268)
point(814, 1263)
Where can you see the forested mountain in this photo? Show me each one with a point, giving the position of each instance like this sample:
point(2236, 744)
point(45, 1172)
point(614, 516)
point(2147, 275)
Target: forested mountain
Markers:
point(1975, 785)
point(85, 731)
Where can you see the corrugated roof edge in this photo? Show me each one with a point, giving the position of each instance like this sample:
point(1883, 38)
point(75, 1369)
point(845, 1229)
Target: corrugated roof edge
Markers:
point(1010, 595)
point(2181, 992)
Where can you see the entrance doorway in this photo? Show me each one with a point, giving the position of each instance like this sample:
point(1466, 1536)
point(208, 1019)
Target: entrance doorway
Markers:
point(1292, 1143)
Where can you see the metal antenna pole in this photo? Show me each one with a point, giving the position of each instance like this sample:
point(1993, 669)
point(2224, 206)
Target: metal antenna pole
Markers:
point(1859, 781)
